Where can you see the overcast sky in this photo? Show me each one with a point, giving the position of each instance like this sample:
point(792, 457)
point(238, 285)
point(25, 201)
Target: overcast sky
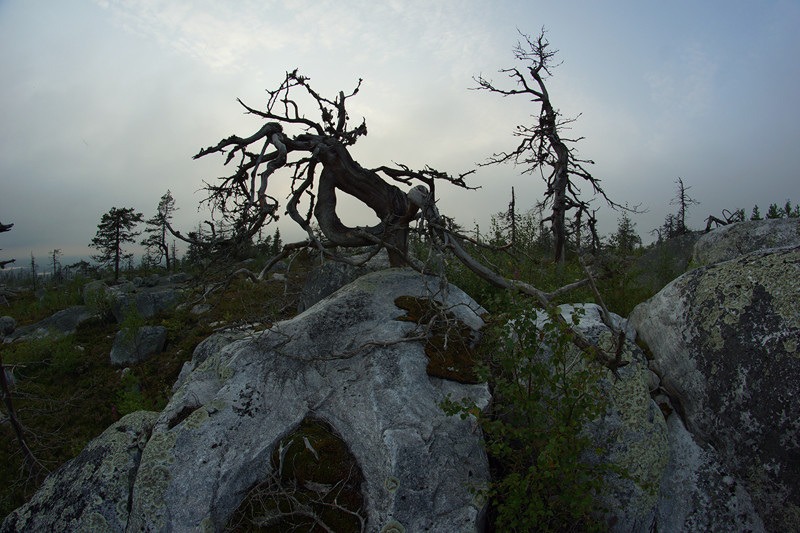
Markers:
point(103, 103)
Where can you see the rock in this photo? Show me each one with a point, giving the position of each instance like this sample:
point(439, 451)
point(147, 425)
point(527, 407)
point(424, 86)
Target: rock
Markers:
point(697, 493)
point(91, 491)
point(152, 280)
point(726, 340)
point(179, 277)
point(125, 286)
point(7, 325)
point(128, 349)
point(633, 431)
point(345, 361)
point(213, 441)
point(58, 324)
point(208, 347)
point(146, 303)
point(280, 266)
point(730, 242)
point(332, 275)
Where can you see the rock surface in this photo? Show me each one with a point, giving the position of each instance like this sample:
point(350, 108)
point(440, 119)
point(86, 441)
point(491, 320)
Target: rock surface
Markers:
point(131, 348)
point(92, 491)
point(729, 242)
point(698, 494)
point(725, 341)
point(146, 303)
point(58, 324)
point(7, 325)
point(344, 361)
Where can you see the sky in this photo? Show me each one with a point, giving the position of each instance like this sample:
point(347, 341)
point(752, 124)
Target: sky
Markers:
point(103, 103)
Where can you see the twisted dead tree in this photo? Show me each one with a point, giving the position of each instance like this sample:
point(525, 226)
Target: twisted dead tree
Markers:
point(317, 163)
point(543, 145)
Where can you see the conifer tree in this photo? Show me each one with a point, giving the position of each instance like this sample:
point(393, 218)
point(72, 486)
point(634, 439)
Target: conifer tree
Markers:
point(156, 230)
point(116, 228)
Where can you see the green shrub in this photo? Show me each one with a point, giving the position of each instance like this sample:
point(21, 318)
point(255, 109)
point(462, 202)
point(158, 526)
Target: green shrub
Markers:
point(130, 397)
point(544, 391)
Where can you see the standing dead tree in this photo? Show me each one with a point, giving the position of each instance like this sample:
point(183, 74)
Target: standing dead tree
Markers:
point(33, 465)
point(4, 228)
point(543, 144)
point(683, 201)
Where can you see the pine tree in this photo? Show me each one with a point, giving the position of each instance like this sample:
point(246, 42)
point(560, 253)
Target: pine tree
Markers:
point(116, 228)
point(156, 230)
point(756, 214)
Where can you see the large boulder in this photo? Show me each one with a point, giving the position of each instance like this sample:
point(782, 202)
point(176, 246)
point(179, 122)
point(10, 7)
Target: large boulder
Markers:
point(146, 303)
point(349, 361)
point(729, 242)
point(725, 343)
point(134, 346)
point(697, 493)
point(7, 325)
point(58, 324)
point(90, 492)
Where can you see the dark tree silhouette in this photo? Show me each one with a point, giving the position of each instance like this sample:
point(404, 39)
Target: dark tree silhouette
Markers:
point(116, 228)
point(317, 163)
point(156, 230)
point(543, 145)
point(683, 201)
point(4, 262)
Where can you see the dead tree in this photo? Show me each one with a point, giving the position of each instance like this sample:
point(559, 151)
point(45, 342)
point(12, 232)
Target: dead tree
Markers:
point(5, 391)
point(543, 144)
point(683, 201)
point(317, 163)
point(4, 228)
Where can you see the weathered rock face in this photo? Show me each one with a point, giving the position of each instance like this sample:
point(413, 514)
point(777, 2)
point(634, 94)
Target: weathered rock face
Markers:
point(132, 347)
point(146, 303)
point(58, 324)
point(729, 242)
point(632, 431)
point(697, 492)
point(725, 341)
point(92, 491)
point(345, 362)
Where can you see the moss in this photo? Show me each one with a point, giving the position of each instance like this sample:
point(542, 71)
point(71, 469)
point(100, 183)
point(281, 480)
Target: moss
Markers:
point(450, 346)
point(313, 475)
